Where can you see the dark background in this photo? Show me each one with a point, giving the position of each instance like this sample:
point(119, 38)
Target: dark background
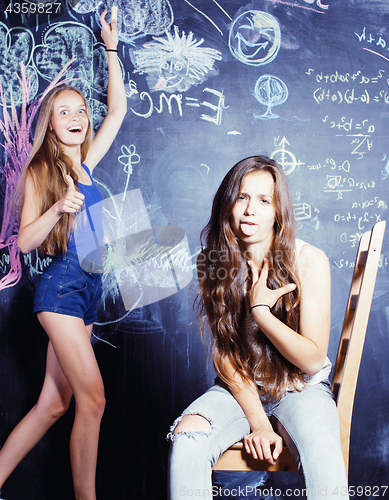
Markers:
point(331, 136)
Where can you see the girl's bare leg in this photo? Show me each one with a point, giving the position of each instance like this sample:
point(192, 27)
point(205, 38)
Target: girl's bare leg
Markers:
point(53, 402)
point(71, 342)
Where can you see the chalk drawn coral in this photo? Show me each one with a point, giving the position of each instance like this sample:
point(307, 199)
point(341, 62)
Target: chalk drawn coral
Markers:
point(63, 42)
point(16, 132)
point(175, 63)
point(16, 46)
point(136, 18)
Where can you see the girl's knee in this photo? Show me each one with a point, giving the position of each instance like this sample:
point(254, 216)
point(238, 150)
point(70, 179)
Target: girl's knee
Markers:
point(53, 410)
point(193, 423)
point(94, 404)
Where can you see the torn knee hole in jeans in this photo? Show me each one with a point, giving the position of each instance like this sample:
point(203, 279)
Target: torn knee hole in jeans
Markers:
point(173, 436)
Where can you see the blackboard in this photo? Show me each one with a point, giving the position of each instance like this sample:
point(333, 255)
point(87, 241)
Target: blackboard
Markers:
point(208, 82)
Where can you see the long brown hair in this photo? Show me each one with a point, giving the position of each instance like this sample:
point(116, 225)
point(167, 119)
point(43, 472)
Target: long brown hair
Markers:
point(223, 279)
point(48, 165)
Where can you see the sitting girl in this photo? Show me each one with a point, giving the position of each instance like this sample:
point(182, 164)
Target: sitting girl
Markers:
point(266, 298)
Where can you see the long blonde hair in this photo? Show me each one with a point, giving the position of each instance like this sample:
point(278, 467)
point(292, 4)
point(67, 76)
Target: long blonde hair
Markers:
point(48, 165)
point(221, 296)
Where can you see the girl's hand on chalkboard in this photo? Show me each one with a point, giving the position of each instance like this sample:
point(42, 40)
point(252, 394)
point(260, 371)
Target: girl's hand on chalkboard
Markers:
point(260, 293)
point(109, 32)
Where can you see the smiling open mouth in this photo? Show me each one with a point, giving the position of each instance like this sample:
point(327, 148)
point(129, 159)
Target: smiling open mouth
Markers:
point(75, 130)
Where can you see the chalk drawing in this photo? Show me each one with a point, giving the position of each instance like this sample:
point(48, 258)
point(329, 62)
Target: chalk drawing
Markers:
point(284, 157)
point(319, 3)
point(207, 17)
point(128, 158)
point(269, 91)
point(16, 47)
point(65, 41)
point(255, 38)
point(142, 264)
point(175, 63)
point(136, 18)
point(16, 134)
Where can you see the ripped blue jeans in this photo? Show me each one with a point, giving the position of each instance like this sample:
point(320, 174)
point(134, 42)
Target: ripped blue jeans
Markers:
point(307, 421)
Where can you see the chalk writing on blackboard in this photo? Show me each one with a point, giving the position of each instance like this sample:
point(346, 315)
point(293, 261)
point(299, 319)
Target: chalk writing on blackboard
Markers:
point(385, 172)
point(364, 89)
point(379, 43)
point(331, 163)
point(166, 103)
point(319, 3)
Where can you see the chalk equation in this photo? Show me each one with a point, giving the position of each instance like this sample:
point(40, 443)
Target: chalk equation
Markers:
point(361, 220)
point(339, 184)
point(349, 96)
point(378, 45)
point(368, 94)
point(177, 101)
point(348, 124)
point(358, 78)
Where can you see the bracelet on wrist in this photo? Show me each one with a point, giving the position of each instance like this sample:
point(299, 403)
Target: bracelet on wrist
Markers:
point(111, 50)
point(260, 305)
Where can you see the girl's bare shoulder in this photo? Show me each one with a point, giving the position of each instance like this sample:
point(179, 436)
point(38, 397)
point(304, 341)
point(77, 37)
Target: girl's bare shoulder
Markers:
point(311, 257)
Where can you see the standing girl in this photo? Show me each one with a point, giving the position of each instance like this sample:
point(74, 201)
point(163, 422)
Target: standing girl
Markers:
point(266, 298)
point(57, 183)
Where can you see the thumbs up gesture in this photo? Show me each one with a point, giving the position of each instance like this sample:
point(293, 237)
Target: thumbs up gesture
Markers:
point(72, 200)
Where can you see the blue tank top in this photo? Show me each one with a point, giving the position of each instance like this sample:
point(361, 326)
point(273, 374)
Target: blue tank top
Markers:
point(88, 235)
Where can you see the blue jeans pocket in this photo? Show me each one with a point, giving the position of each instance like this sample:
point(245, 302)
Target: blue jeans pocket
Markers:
point(41, 289)
point(72, 282)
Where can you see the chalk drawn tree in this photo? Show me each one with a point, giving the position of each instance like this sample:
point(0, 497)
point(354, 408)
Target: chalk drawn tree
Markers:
point(270, 91)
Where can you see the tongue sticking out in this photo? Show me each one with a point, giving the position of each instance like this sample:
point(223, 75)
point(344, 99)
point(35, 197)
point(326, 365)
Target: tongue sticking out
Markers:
point(248, 229)
point(160, 83)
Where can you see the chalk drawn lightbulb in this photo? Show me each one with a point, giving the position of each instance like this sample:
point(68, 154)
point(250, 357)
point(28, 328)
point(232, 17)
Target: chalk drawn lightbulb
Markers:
point(270, 91)
point(255, 38)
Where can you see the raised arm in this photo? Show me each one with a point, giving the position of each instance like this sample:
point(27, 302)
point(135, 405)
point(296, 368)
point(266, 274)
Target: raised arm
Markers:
point(116, 99)
point(308, 348)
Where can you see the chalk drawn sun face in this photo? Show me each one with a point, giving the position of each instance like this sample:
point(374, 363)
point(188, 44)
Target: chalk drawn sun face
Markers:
point(176, 62)
point(255, 38)
point(174, 70)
